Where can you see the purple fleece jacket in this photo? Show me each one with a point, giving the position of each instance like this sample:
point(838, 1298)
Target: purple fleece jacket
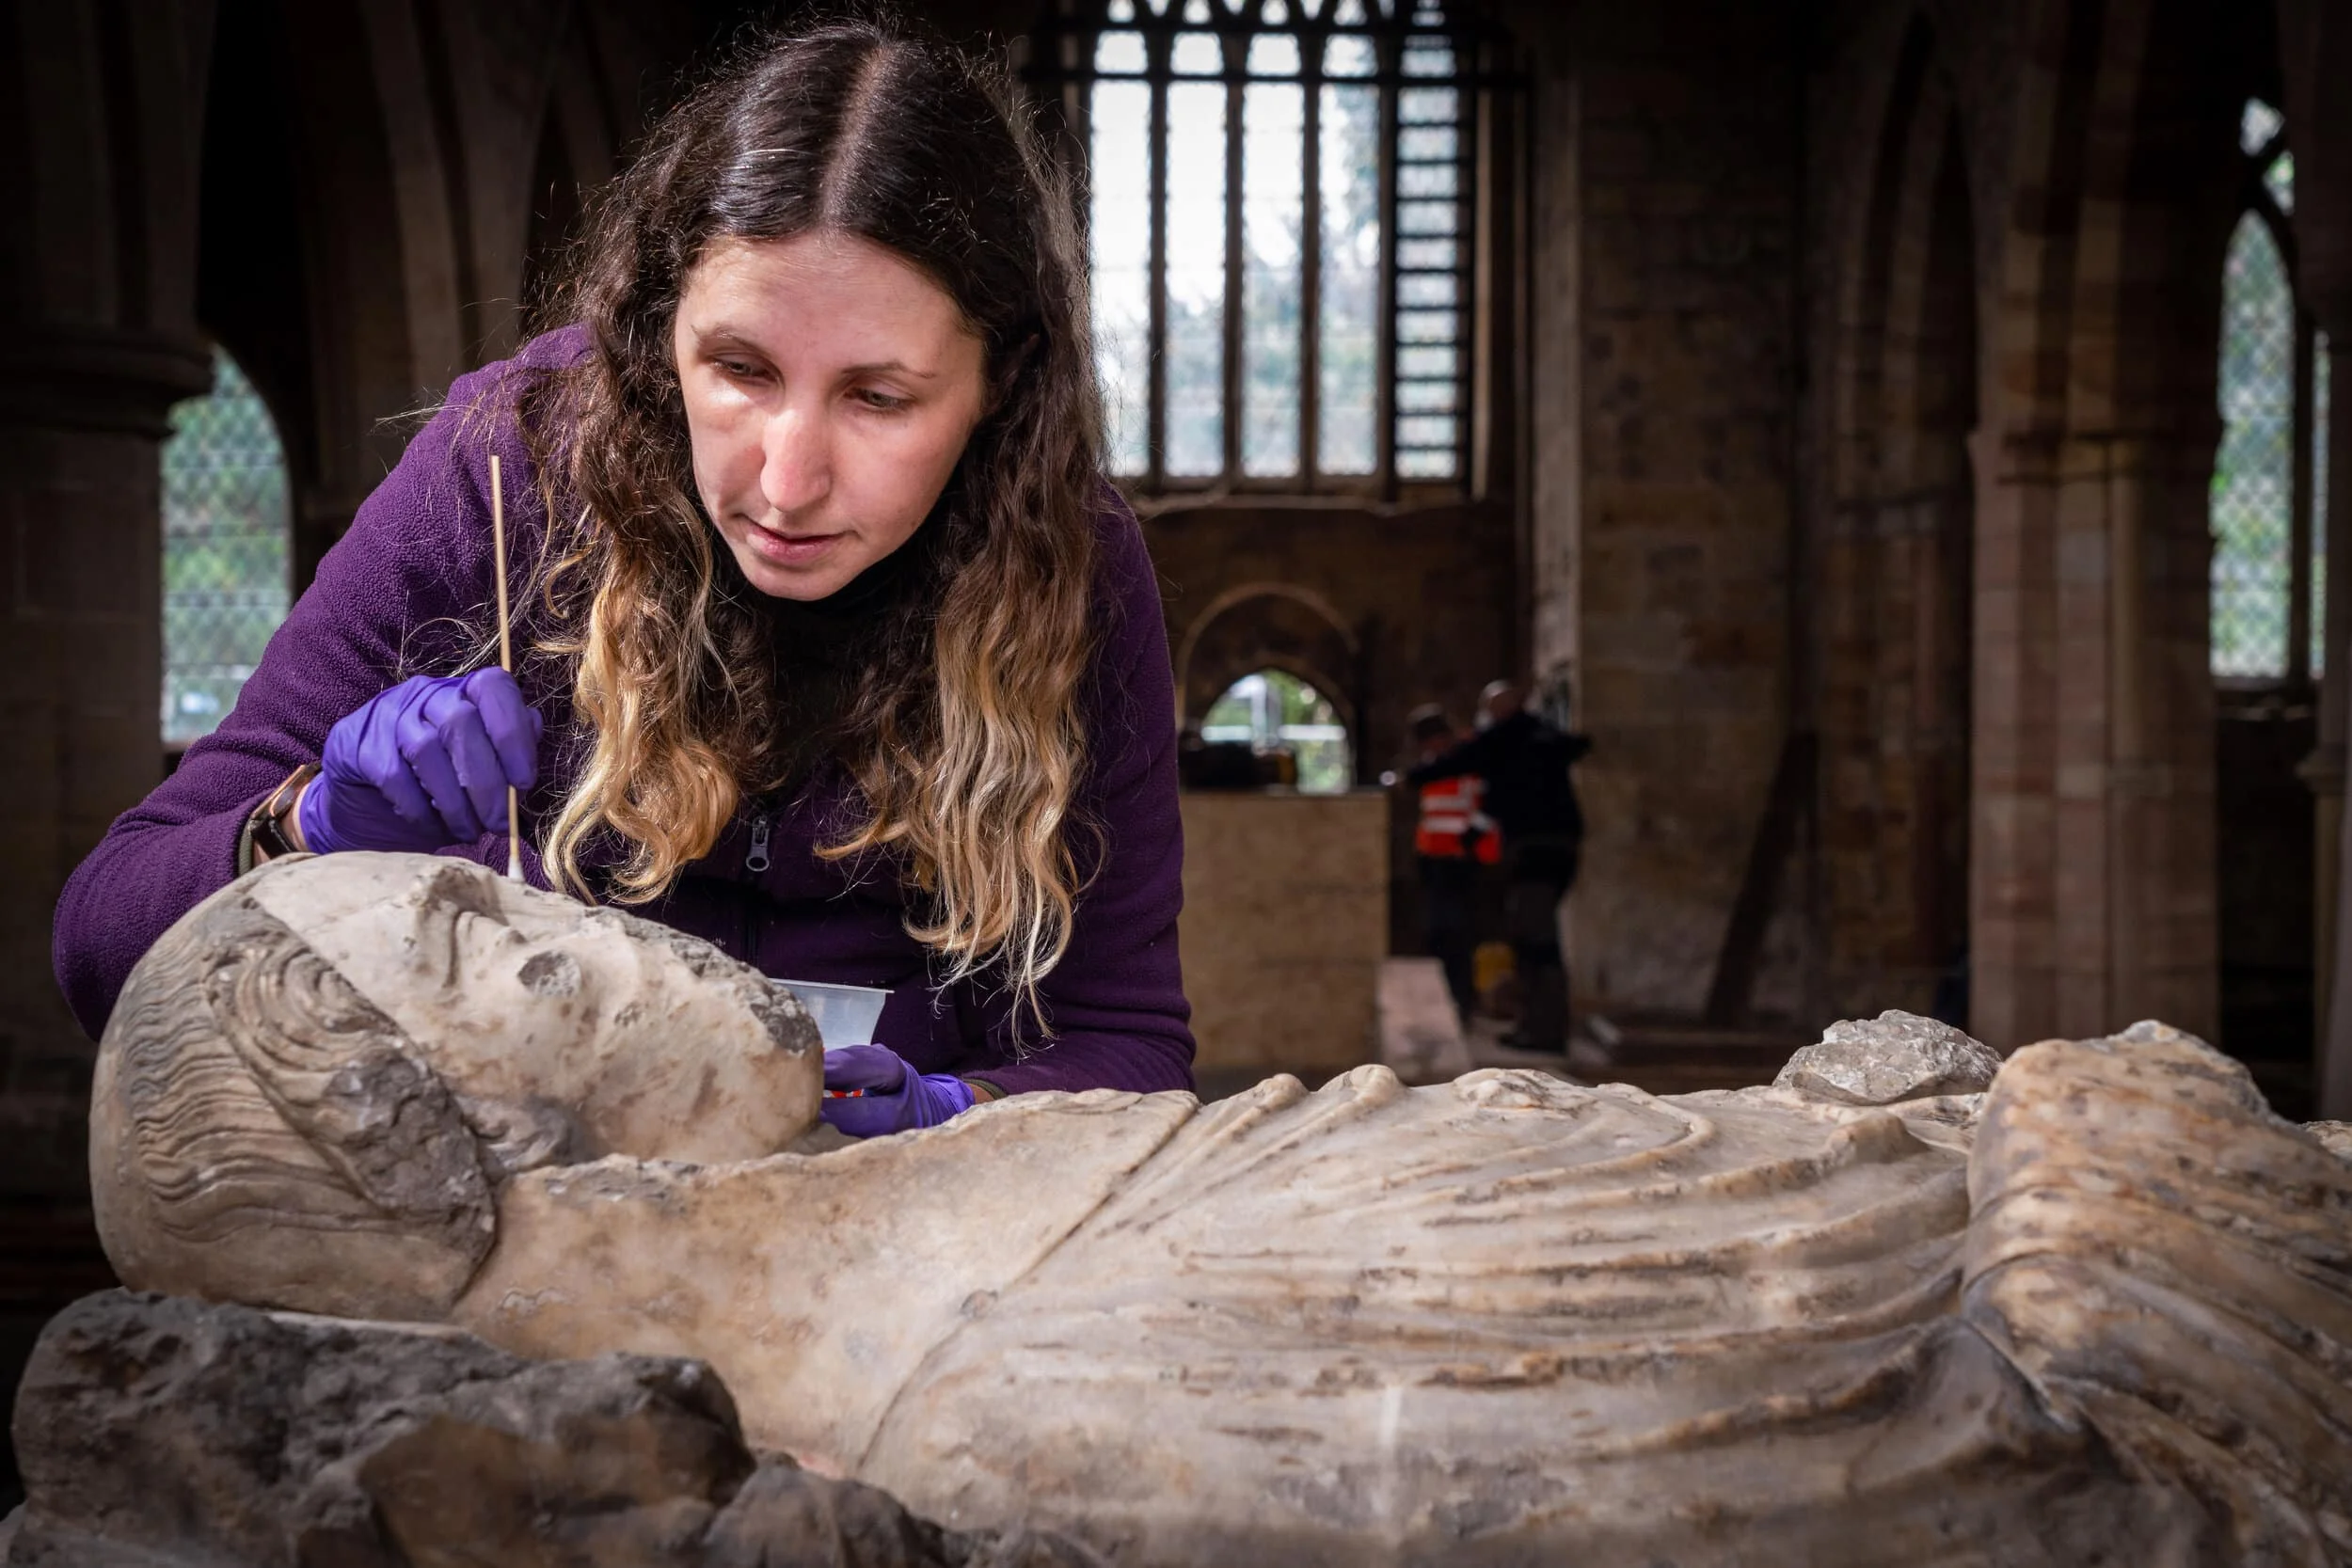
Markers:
point(407, 591)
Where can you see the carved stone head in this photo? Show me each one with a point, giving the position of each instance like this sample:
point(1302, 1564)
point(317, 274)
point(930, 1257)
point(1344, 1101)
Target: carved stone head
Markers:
point(326, 1115)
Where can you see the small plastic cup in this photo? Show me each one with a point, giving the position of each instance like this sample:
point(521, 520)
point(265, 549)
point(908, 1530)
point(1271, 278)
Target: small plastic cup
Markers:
point(845, 1015)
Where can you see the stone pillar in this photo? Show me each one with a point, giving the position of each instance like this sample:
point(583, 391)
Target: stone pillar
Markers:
point(2093, 896)
point(2315, 51)
point(80, 675)
point(2012, 885)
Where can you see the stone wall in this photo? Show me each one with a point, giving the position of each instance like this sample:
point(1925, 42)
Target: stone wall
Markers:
point(1667, 136)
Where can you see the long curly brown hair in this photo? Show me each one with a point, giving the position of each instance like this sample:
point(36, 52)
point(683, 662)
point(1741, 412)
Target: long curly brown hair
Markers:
point(965, 734)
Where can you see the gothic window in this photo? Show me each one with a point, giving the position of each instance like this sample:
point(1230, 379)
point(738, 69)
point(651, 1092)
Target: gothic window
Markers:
point(2270, 477)
point(1279, 216)
point(1272, 710)
point(225, 549)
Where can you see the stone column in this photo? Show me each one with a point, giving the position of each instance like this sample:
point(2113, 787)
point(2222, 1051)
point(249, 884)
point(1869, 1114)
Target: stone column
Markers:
point(2315, 51)
point(2093, 880)
point(80, 428)
point(2012, 875)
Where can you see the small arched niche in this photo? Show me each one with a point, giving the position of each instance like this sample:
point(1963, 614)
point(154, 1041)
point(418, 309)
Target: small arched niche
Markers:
point(1272, 709)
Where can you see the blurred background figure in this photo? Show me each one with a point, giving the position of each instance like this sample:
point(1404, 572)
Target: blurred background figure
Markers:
point(1453, 839)
point(1523, 762)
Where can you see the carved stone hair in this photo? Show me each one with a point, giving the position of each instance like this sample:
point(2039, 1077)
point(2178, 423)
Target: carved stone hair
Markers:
point(284, 1142)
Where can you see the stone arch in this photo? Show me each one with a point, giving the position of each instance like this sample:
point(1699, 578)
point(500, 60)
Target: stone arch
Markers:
point(2092, 879)
point(1270, 626)
point(1894, 563)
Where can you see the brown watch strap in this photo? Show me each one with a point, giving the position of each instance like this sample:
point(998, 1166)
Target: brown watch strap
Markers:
point(265, 829)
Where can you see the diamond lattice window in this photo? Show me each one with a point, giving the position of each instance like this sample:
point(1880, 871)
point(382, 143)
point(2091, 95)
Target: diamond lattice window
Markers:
point(2253, 479)
point(1279, 221)
point(2270, 474)
point(224, 557)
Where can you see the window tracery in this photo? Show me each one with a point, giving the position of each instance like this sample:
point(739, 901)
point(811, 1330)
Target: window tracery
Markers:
point(2269, 476)
point(1281, 213)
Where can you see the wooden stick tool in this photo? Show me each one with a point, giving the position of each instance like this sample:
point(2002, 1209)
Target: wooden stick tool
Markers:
point(506, 656)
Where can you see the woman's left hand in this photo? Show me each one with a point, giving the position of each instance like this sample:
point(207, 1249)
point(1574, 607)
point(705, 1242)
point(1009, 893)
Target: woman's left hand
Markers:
point(870, 1090)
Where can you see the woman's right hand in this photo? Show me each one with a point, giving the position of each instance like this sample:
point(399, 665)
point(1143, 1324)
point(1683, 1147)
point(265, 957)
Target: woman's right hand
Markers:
point(424, 765)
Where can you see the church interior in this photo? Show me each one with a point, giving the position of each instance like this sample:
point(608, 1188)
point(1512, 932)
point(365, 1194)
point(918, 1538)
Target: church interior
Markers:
point(1898, 434)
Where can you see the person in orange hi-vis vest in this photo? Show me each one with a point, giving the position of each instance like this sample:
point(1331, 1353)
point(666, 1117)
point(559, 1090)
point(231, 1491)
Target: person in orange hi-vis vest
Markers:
point(1452, 839)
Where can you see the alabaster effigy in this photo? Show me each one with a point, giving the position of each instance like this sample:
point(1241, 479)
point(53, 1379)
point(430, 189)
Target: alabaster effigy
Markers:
point(2098, 1308)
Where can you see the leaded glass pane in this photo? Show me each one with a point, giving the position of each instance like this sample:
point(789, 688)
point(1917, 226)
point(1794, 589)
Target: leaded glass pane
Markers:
point(1274, 120)
point(1275, 54)
point(1424, 326)
point(1427, 363)
point(1429, 106)
point(1442, 255)
point(2253, 473)
point(1428, 143)
point(1431, 57)
point(1348, 332)
point(1426, 180)
point(1195, 279)
point(1348, 54)
point(1429, 288)
point(1426, 397)
point(2278, 180)
point(226, 583)
point(2258, 124)
point(1120, 242)
point(1196, 54)
point(1119, 55)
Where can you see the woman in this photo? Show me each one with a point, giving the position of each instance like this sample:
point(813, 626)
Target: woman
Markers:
point(840, 652)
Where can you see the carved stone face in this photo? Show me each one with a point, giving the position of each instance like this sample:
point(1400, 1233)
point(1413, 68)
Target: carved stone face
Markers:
point(566, 1032)
point(316, 1082)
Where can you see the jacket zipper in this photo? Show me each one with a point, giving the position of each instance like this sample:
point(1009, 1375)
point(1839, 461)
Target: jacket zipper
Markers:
point(754, 861)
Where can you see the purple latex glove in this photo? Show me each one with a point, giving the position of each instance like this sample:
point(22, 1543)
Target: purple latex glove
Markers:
point(424, 765)
point(873, 1091)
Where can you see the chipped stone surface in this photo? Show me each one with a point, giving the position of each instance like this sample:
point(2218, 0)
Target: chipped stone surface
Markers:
point(157, 1431)
point(1888, 1059)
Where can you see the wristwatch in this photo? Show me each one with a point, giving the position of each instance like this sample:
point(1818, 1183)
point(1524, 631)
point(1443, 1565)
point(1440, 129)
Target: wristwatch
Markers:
point(265, 835)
